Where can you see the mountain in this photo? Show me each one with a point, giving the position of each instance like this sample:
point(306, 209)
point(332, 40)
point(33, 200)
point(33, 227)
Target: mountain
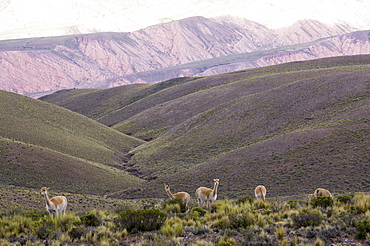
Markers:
point(190, 47)
point(45, 18)
point(292, 127)
point(45, 145)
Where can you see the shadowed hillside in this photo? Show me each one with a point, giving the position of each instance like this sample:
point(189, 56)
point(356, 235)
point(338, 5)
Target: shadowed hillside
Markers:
point(301, 125)
point(45, 145)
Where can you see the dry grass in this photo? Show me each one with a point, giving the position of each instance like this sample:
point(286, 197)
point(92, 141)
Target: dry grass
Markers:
point(232, 222)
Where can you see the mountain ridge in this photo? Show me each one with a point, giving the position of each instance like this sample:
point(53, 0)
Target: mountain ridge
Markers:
point(112, 59)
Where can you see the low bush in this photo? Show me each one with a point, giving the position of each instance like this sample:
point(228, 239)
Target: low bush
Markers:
point(322, 201)
point(246, 199)
point(363, 227)
point(173, 204)
point(307, 219)
point(297, 203)
point(141, 220)
point(241, 220)
point(90, 220)
point(346, 199)
point(46, 230)
point(76, 232)
point(198, 210)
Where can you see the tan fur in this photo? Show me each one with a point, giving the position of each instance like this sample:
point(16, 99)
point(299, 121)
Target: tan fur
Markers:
point(260, 192)
point(207, 196)
point(183, 195)
point(57, 204)
point(311, 196)
point(322, 192)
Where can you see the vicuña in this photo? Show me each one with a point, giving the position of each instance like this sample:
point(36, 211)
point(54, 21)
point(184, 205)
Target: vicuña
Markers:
point(260, 192)
point(184, 196)
point(320, 192)
point(207, 196)
point(57, 204)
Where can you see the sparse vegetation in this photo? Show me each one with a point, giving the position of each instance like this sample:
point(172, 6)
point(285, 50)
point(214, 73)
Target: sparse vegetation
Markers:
point(232, 223)
point(292, 128)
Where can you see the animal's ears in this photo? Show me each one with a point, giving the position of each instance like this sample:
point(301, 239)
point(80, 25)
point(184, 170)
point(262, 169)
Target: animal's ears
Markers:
point(47, 188)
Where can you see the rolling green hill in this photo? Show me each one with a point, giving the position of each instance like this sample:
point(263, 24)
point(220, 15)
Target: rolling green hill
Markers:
point(292, 127)
point(45, 145)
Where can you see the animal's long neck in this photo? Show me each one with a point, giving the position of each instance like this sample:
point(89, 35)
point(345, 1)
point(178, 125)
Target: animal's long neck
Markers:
point(214, 191)
point(47, 199)
point(169, 193)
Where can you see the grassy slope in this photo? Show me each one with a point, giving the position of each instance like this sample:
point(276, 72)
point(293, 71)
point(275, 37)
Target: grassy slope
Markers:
point(280, 137)
point(45, 145)
point(300, 125)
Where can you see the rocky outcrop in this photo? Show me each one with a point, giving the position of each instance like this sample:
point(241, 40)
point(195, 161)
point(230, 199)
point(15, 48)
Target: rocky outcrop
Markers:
point(155, 53)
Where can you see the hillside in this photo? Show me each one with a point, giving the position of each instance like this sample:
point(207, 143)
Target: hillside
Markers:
point(301, 125)
point(153, 54)
point(45, 145)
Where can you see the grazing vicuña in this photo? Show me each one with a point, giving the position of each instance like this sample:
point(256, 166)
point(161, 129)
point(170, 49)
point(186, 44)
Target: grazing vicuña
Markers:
point(260, 192)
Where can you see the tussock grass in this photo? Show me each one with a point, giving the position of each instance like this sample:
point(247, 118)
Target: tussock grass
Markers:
point(231, 223)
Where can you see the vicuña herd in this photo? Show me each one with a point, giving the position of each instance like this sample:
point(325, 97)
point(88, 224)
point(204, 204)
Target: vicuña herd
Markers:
point(205, 197)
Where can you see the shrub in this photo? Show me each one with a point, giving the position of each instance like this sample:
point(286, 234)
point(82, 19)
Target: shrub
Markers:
point(246, 199)
point(199, 210)
point(307, 219)
point(363, 227)
point(90, 220)
point(46, 230)
point(322, 201)
point(297, 203)
point(241, 221)
point(227, 242)
point(174, 203)
point(76, 233)
point(346, 199)
point(141, 219)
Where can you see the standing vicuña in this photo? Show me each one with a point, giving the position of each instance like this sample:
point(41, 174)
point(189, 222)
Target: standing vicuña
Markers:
point(57, 204)
point(185, 197)
point(260, 192)
point(207, 196)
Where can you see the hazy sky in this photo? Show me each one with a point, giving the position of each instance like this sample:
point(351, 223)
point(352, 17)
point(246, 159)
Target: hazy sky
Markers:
point(56, 17)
